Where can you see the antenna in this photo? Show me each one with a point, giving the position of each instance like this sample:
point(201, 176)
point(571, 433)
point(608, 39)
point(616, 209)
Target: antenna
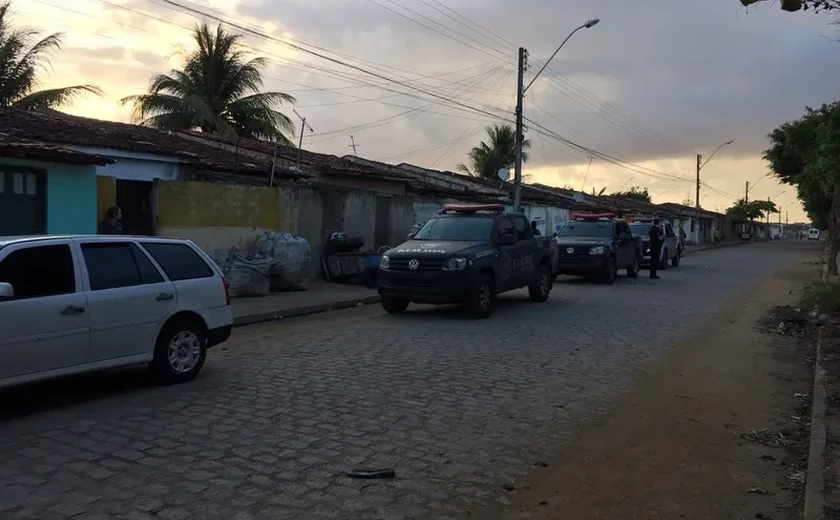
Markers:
point(353, 145)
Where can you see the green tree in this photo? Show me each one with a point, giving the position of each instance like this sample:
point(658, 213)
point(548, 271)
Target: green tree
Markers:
point(805, 153)
point(743, 211)
point(636, 193)
point(796, 5)
point(487, 159)
point(217, 90)
point(22, 58)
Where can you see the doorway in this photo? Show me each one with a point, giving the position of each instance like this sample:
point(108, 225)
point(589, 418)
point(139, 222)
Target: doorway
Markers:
point(135, 200)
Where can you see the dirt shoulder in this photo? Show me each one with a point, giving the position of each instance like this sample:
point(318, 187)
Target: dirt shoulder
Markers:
point(716, 431)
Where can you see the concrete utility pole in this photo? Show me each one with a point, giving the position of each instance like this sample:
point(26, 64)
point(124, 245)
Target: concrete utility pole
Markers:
point(747, 193)
point(697, 199)
point(353, 145)
point(303, 127)
point(520, 96)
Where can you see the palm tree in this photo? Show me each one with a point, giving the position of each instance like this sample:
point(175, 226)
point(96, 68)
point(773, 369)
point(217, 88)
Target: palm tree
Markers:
point(218, 91)
point(21, 59)
point(487, 159)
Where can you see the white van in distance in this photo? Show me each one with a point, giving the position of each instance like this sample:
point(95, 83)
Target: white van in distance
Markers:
point(813, 234)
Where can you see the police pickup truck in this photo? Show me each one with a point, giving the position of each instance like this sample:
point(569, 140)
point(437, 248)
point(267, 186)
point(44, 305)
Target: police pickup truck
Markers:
point(466, 254)
point(597, 246)
point(671, 250)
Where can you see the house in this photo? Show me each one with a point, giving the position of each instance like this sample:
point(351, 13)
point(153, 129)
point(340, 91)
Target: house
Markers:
point(46, 188)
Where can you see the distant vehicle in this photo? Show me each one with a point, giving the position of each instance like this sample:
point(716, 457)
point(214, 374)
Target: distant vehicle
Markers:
point(467, 254)
point(597, 246)
point(813, 234)
point(82, 303)
point(670, 252)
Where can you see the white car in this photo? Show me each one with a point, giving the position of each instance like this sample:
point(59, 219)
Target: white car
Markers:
point(82, 303)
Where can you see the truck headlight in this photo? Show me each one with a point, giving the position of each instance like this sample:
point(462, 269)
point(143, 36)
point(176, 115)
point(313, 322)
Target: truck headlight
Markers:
point(454, 264)
point(384, 262)
point(597, 250)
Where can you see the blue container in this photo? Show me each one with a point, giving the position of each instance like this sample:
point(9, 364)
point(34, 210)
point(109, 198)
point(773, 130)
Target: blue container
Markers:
point(373, 260)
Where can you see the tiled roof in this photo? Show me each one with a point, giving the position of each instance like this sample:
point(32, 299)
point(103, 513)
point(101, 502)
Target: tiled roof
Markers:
point(682, 208)
point(19, 148)
point(49, 126)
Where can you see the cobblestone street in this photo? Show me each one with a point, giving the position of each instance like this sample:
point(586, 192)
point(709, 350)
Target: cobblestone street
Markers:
point(458, 407)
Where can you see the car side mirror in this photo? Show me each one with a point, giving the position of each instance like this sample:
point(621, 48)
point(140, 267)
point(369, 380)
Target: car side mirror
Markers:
point(6, 291)
point(410, 236)
point(507, 240)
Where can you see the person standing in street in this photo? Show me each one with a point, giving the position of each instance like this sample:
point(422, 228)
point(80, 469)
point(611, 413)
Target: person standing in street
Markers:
point(655, 248)
point(111, 224)
point(534, 230)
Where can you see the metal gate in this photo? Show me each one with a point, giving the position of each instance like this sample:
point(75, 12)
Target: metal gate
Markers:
point(23, 200)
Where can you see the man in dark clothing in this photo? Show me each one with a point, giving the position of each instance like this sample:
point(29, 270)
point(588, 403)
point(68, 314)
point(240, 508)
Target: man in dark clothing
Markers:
point(656, 238)
point(534, 229)
point(111, 225)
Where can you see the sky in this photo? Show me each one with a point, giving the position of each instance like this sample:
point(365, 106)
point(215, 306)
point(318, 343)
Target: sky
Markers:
point(651, 86)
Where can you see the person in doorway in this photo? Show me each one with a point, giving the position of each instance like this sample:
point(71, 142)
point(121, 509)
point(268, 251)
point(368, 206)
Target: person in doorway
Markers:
point(534, 228)
point(112, 223)
point(656, 237)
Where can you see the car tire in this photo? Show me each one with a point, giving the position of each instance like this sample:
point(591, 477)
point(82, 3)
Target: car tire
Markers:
point(610, 272)
point(393, 305)
point(663, 264)
point(480, 300)
point(675, 262)
point(540, 289)
point(633, 271)
point(180, 352)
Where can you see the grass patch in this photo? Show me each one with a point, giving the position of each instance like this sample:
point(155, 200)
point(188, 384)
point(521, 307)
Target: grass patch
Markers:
point(823, 297)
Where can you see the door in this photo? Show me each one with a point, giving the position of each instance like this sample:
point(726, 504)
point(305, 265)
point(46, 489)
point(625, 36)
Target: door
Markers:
point(128, 298)
point(523, 259)
point(45, 326)
point(506, 278)
point(23, 204)
point(624, 251)
point(671, 241)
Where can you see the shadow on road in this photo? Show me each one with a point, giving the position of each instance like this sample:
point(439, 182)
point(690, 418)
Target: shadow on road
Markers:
point(70, 391)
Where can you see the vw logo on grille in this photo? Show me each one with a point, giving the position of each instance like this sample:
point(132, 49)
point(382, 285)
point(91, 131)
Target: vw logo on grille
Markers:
point(413, 265)
point(570, 250)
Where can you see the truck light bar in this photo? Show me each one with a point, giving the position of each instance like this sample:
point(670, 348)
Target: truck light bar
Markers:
point(468, 208)
point(584, 217)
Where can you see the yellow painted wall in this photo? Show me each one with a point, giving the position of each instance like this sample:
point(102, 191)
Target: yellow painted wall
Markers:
point(106, 195)
point(183, 204)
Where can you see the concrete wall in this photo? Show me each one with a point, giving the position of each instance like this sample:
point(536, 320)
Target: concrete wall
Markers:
point(221, 216)
point(137, 166)
point(70, 197)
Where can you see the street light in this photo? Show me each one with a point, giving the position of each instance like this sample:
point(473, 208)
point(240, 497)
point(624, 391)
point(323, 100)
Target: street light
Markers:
point(700, 167)
point(521, 89)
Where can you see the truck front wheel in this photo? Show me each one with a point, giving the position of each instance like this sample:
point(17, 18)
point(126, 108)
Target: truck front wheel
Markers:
point(540, 288)
point(480, 300)
point(610, 271)
point(393, 305)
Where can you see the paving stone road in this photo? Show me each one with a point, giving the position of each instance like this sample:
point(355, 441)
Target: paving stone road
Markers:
point(458, 407)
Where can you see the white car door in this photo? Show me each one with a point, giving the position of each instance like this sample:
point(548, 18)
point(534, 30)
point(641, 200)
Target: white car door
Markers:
point(45, 325)
point(129, 298)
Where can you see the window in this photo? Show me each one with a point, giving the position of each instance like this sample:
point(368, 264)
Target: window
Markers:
point(17, 183)
point(523, 230)
point(505, 227)
point(669, 231)
point(31, 184)
point(39, 271)
point(180, 262)
point(112, 265)
point(2, 182)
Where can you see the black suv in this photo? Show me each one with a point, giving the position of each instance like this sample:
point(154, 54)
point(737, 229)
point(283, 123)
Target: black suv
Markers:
point(467, 254)
point(597, 246)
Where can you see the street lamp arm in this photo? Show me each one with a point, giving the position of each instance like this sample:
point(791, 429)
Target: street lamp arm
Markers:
point(713, 153)
point(587, 25)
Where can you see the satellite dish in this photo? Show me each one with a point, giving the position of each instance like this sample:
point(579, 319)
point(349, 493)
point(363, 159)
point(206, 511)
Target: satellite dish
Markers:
point(504, 174)
point(578, 197)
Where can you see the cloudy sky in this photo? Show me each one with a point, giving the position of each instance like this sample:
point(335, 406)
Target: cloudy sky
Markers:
point(651, 86)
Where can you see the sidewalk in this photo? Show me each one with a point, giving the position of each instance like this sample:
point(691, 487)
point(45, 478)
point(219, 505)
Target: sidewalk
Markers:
point(729, 243)
point(321, 296)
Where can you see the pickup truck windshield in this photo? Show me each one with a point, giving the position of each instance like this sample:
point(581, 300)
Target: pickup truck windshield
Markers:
point(587, 229)
point(467, 229)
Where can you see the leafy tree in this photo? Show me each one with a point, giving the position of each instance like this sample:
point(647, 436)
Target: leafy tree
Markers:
point(806, 153)
point(796, 5)
point(487, 159)
point(22, 58)
point(743, 211)
point(217, 90)
point(635, 192)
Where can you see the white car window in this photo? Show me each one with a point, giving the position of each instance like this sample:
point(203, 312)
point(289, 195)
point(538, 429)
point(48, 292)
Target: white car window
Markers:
point(39, 271)
point(178, 261)
point(118, 264)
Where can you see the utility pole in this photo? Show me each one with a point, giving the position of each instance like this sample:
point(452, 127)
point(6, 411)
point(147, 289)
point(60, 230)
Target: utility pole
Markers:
point(586, 175)
point(697, 200)
point(303, 127)
point(747, 193)
point(353, 145)
point(768, 214)
point(520, 95)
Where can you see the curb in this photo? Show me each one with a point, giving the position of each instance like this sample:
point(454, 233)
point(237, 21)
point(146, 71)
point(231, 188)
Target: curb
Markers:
point(814, 484)
point(296, 312)
point(733, 244)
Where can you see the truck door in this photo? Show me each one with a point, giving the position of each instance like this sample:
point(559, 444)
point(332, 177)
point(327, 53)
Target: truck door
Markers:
point(506, 279)
point(523, 265)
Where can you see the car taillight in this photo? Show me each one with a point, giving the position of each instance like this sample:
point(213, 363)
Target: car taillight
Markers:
point(227, 290)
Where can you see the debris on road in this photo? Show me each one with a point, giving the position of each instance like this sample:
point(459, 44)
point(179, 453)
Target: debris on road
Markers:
point(757, 491)
point(371, 473)
point(762, 436)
